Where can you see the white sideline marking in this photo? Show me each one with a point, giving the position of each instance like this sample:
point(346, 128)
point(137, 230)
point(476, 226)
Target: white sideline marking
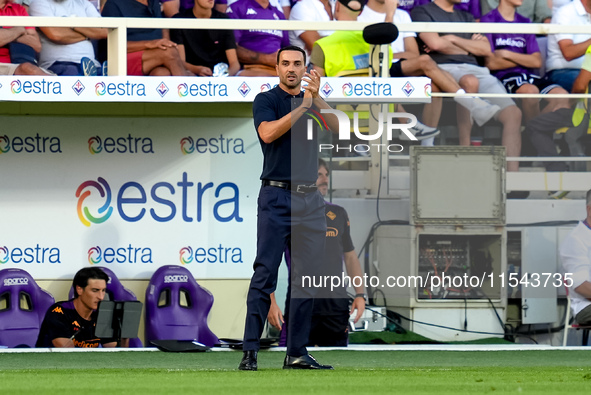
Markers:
point(353, 347)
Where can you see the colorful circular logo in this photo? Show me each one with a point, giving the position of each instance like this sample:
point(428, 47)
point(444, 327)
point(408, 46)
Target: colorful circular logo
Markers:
point(183, 90)
point(105, 192)
point(3, 255)
point(100, 88)
point(187, 145)
point(265, 87)
point(186, 255)
point(95, 145)
point(94, 255)
point(428, 90)
point(347, 89)
point(15, 86)
point(4, 144)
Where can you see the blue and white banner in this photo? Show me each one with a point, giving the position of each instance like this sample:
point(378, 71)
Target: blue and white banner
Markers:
point(128, 193)
point(202, 89)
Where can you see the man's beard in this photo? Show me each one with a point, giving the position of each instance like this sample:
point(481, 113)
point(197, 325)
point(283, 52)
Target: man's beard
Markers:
point(291, 84)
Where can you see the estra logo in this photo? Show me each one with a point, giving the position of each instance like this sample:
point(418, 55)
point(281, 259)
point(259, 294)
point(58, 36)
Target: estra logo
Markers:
point(186, 255)
point(30, 144)
point(267, 87)
point(210, 89)
point(4, 144)
point(120, 145)
point(36, 87)
point(373, 88)
point(84, 191)
point(213, 145)
point(219, 254)
point(129, 254)
point(129, 89)
point(36, 254)
point(95, 198)
point(4, 255)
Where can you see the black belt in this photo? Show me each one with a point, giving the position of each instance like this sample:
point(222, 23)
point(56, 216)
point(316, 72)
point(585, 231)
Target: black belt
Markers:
point(299, 188)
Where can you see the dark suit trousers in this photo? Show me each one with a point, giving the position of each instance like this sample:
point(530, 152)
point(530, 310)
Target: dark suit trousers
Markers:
point(285, 219)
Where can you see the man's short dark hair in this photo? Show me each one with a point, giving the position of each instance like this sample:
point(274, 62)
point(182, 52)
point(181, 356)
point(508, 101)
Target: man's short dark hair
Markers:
point(81, 278)
point(291, 48)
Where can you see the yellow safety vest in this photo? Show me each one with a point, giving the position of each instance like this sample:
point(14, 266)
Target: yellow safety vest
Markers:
point(345, 50)
point(583, 106)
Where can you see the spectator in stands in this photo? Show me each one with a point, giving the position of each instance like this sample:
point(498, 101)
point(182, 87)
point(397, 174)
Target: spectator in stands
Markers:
point(513, 59)
point(68, 50)
point(149, 50)
point(536, 11)
point(566, 50)
point(257, 49)
point(25, 37)
point(456, 54)
point(407, 62)
point(203, 49)
point(310, 10)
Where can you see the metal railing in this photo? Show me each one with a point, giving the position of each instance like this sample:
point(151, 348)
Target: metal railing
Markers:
point(117, 38)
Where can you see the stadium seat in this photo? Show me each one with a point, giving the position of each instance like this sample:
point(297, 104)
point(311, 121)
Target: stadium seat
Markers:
point(23, 305)
point(116, 292)
point(177, 307)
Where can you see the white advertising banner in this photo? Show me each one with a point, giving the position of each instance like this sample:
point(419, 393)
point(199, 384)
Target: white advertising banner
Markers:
point(202, 89)
point(128, 193)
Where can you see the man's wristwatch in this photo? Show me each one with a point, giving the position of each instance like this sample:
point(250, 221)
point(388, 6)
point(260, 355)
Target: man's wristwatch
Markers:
point(364, 296)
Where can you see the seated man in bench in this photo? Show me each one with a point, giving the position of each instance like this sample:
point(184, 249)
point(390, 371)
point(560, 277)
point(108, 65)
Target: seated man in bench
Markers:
point(71, 323)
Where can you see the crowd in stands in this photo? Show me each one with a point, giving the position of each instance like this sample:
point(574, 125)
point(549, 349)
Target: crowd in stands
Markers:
point(461, 63)
point(61, 49)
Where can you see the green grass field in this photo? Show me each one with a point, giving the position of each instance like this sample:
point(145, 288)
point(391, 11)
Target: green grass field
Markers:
point(357, 372)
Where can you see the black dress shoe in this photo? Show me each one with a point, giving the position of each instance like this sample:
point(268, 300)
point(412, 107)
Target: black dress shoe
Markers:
point(303, 362)
point(249, 361)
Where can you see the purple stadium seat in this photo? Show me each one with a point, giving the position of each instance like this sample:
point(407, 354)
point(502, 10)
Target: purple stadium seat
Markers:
point(23, 305)
point(177, 307)
point(116, 291)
